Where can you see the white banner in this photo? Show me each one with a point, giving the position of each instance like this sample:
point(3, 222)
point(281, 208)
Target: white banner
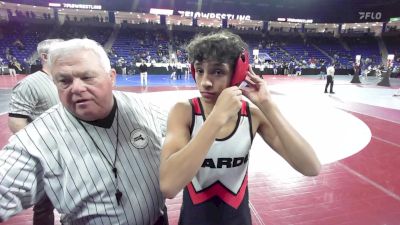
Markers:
point(220, 16)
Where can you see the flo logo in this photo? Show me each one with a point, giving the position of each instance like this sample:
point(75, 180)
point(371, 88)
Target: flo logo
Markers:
point(370, 15)
point(139, 138)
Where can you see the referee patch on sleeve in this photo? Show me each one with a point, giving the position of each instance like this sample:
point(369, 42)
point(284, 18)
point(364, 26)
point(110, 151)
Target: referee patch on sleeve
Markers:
point(139, 139)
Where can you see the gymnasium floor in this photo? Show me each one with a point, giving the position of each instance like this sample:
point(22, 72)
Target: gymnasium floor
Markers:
point(355, 132)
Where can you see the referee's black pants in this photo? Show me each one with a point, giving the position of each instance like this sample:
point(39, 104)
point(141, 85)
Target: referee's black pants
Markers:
point(43, 212)
point(329, 81)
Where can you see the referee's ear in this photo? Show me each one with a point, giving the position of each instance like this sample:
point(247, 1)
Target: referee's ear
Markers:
point(113, 75)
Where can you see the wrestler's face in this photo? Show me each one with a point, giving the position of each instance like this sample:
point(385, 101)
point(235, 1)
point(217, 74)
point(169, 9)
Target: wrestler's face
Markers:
point(212, 78)
point(84, 87)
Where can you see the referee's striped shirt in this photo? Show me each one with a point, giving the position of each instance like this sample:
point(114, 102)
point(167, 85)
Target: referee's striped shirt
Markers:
point(54, 154)
point(32, 96)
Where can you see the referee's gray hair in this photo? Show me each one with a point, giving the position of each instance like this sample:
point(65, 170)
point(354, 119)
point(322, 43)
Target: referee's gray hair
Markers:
point(68, 47)
point(44, 46)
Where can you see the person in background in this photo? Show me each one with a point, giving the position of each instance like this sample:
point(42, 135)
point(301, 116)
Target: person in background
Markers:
point(330, 74)
point(143, 73)
point(173, 74)
point(29, 99)
point(179, 71)
point(322, 72)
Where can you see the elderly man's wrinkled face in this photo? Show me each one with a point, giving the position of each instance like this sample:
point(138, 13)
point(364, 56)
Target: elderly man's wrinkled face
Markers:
point(84, 87)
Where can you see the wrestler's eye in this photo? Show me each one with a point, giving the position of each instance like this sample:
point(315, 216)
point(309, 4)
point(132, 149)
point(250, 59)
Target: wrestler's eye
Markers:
point(199, 71)
point(218, 72)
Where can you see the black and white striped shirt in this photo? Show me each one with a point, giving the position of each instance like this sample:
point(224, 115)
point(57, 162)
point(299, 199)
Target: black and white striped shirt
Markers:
point(54, 154)
point(33, 95)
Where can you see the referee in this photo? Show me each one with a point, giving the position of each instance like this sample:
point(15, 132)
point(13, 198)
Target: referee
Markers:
point(33, 95)
point(96, 155)
point(29, 99)
point(330, 74)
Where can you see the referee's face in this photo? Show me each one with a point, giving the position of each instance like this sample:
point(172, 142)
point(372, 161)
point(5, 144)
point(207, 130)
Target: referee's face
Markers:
point(84, 87)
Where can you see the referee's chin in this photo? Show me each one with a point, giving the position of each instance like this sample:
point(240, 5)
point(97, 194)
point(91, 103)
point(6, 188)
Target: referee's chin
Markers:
point(91, 110)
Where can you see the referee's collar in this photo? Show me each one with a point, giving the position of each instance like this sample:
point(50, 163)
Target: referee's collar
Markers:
point(108, 121)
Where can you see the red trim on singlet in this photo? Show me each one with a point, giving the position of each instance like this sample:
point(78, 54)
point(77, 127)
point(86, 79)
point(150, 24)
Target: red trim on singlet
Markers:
point(218, 189)
point(243, 111)
point(196, 105)
point(197, 108)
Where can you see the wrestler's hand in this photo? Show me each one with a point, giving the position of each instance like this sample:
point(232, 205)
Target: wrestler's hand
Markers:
point(256, 90)
point(228, 104)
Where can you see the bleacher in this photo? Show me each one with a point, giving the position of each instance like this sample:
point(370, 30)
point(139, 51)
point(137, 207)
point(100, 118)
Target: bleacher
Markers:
point(21, 40)
point(367, 47)
point(393, 47)
point(156, 44)
point(140, 44)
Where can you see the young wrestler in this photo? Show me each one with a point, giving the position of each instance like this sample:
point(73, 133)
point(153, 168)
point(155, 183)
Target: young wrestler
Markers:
point(206, 150)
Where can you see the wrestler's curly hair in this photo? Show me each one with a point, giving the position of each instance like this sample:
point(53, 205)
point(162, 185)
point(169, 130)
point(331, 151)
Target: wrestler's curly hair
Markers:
point(222, 46)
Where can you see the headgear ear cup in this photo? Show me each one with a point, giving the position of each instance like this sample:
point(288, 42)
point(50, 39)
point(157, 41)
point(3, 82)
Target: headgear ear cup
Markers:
point(193, 71)
point(241, 67)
